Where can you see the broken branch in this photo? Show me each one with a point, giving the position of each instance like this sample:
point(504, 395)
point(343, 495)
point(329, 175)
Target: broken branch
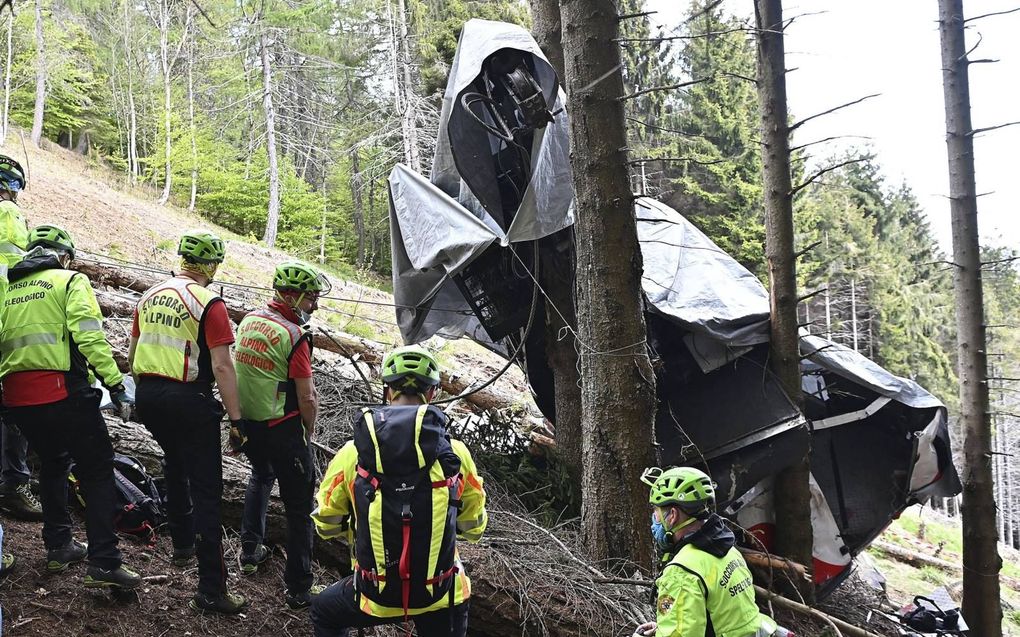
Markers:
point(978, 131)
point(669, 87)
point(797, 125)
point(807, 182)
point(988, 15)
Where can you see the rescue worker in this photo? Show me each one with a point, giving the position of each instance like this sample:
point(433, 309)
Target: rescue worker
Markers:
point(279, 406)
point(705, 587)
point(16, 496)
point(411, 376)
point(51, 344)
point(180, 345)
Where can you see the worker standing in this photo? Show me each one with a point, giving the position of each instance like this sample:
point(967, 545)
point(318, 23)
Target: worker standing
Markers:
point(705, 584)
point(279, 406)
point(402, 492)
point(16, 496)
point(51, 345)
point(180, 345)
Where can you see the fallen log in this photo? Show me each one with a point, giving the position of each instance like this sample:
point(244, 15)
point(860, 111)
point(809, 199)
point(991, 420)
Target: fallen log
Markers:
point(843, 628)
point(775, 562)
point(919, 559)
point(346, 345)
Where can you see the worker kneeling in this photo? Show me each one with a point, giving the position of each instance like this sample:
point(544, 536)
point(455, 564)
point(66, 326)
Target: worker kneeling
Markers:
point(705, 587)
point(409, 492)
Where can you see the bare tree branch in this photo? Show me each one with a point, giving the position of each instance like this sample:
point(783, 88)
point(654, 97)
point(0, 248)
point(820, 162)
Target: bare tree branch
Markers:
point(807, 249)
point(978, 131)
point(663, 88)
point(973, 48)
point(807, 182)
point(828, 139)
point(810, 295)
point(673, 159)
point(797, 125)
point(988, 15)
point(999, 261)
point(670, 38)
point(629, 16)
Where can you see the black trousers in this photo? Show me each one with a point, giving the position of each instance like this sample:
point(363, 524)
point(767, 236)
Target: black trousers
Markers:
point(281, 453)
point(336, 610)
point(74, 429)
point(184, 418)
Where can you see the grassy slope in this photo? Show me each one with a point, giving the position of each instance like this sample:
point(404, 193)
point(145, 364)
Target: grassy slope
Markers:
point(904, 582)
point(110, 220)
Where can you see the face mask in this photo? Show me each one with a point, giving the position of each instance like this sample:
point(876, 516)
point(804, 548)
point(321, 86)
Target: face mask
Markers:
point(659, 533)
point(302, 316)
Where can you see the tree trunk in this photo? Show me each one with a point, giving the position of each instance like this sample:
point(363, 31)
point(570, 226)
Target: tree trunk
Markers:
point(7, 77)
point(548, 32)
point(793, 496)
point(556, 274)
point(164, 58)
point(981, 562)
point(273, 218)
point(191, 122)
point(40, 76)
point(618, 393)
point(357, 185)
point(409, 115)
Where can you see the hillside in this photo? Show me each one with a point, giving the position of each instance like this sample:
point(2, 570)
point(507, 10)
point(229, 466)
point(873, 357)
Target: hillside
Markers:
point(115, 224)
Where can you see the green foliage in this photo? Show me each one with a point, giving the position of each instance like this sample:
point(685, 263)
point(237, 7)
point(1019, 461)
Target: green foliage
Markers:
point(541, 484)
point(439, 25)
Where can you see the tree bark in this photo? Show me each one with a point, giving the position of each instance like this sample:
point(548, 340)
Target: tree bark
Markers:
point(191, 122)
point(164, 58)
point(40, 76)
point(409, 115)
point(981, 562)
point(556, 274)
point(548, 31)
point(793, 496)
point(357, 186)
point(618, 384)
point(273, 218)
point(7, 77)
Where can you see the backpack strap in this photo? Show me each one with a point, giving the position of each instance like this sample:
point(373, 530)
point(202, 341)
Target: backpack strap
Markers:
point(370, 423)
point(419, 419)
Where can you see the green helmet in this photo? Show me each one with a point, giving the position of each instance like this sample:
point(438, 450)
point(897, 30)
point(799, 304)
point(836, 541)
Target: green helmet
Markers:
point(12, 176)
point(300, 277)
point(411, 369)
point(690, 489)
point(51, 237)
point(201, 246)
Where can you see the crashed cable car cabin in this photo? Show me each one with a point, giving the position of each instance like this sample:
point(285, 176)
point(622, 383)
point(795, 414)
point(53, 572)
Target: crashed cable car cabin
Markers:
point(464, 242)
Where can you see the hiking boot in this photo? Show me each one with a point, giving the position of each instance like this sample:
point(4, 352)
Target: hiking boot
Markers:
point(7, 564)
point(227, 603)
point(121, 578)
point(183, 557)
point(250, 561)
point(20, 502)
point(57, 560)
point(302, 600)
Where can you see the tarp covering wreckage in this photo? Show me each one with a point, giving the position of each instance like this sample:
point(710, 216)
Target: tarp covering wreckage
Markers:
point(500, 181)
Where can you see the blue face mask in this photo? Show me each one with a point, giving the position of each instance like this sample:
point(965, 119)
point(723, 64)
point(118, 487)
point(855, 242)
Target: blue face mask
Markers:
point(659, 533)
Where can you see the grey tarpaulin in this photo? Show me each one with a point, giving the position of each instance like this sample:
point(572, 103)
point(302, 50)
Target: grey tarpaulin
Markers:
point(463, 166)
point(436, 231)
point(694, 282)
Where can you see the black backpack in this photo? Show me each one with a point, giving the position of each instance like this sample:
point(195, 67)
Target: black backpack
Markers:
point(407, 470)
point(139, 503)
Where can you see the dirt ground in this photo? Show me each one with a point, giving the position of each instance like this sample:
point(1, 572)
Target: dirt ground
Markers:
point(37, 604)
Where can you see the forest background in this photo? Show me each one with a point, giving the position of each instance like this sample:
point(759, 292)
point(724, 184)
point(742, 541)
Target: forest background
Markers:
point(281, 120)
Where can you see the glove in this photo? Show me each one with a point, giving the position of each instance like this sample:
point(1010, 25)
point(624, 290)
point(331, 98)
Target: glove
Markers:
point(123, 404)
point(238, 435)
point(645, 630)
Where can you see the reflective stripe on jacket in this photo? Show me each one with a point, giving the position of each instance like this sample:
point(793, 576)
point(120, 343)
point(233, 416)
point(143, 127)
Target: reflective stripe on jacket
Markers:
point(334, 507)
point(697, 589)
point(265, 343)
point(45, 315)
point(169, 320)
